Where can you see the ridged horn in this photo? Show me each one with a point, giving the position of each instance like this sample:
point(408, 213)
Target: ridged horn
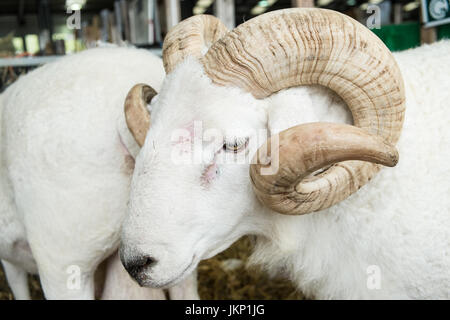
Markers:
point(294, 47)
point(309, 147)
point(191, 37)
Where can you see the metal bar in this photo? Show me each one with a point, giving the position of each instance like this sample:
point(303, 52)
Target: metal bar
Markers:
point(27, 61)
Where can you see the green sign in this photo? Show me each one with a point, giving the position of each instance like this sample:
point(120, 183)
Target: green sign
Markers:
point(435, 12)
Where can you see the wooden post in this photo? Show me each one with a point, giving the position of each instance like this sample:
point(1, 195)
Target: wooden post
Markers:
point(428, 35)
point(303, 3)
point(224, 10)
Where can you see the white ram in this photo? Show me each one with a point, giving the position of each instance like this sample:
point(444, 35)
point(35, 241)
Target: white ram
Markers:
point(390, 239)
point(66, 164)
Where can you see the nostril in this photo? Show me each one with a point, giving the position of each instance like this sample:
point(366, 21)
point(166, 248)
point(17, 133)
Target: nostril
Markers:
point(137, 265)
point(149, 261)
point(144, 262)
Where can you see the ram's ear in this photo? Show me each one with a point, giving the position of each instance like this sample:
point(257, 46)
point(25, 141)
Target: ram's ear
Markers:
point(137, 114)
point(289, 108)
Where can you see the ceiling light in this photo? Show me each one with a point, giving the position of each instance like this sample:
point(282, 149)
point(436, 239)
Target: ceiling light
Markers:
point(262, 6)
point(75, 5)
point(411, 6)
point(198, 10)
point(323, 3)
point(204, 3)
point(257, 10)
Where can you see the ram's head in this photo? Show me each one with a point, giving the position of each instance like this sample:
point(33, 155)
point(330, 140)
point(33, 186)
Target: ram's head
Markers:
point(207, 172)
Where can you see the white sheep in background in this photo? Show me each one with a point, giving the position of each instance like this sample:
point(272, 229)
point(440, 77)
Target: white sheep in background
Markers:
point(66, 164)
point(391, 239)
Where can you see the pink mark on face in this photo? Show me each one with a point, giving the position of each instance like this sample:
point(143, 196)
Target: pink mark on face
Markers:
point(209, 174)
point(182, 144)
point(182, 139)
point(183, 135)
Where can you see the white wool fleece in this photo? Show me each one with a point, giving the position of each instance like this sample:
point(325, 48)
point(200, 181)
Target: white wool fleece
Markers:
point(391, 239)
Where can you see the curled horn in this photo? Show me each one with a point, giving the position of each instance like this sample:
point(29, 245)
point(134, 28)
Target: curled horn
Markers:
point(191, 37)
point(137, 115)
point(306, 47)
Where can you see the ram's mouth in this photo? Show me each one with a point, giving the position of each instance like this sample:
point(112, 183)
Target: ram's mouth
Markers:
point(181, 276)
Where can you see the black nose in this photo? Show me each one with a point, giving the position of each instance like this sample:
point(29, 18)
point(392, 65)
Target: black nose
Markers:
point(136, 265)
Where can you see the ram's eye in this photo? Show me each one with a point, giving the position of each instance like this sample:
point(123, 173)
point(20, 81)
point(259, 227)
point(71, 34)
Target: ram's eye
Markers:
point(236, 145)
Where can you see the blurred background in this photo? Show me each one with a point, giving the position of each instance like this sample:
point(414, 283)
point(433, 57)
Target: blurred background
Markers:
point(35, 32)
